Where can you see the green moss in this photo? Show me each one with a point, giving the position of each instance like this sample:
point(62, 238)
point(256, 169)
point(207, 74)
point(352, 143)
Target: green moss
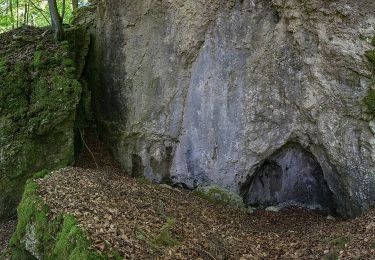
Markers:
point(221, 196)
point(38, 102)
point(3, 66)
point(371, 56)
point(37, 62)
point(370, 101)
point(40, 174)
point(72, 243)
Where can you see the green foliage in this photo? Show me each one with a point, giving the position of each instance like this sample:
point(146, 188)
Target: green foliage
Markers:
point(34, 13)
point(221, 196)
point(165, 237)
point(373, 41)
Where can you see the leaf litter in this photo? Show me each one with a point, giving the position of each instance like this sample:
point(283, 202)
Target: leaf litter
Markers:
point(150, 221)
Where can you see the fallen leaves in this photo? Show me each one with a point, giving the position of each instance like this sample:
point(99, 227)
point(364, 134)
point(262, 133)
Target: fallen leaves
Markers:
point(129, 216)
point(130, 222)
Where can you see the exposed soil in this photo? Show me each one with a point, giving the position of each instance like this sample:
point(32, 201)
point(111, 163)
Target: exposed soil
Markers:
point(149, 221)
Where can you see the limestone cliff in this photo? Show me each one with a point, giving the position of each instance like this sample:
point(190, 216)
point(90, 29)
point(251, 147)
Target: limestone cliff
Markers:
point(202, 92)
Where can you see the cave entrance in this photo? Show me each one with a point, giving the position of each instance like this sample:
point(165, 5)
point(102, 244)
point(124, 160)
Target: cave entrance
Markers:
point(290, 177)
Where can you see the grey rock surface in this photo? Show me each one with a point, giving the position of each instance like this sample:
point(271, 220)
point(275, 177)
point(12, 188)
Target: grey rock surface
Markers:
point(202, 92)
point(291, 176)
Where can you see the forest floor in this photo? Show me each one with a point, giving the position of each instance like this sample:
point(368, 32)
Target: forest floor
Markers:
point(148, 221)
point(7, 228)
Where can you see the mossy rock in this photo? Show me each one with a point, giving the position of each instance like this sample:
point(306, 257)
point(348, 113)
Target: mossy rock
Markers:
point(38, 103)
point(42, 235)
point(371, 56)
point(369, 100)
point(221, 196)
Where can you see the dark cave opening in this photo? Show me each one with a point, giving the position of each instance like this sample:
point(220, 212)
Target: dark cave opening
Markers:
point(289, 177)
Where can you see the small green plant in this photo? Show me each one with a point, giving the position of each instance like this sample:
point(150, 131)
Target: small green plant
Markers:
point(339, 242)
point(165, 237)
point(373, 244)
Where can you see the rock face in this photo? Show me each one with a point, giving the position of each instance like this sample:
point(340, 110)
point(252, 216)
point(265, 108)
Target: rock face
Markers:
point(204, 92)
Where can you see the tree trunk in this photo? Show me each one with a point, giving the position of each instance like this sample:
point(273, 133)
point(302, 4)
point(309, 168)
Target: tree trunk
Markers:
point(11, 12)
point(24, 13)
point(75, 4)
point(17, 6)
point(63, 11)
point(56, 20)
point(27, 12)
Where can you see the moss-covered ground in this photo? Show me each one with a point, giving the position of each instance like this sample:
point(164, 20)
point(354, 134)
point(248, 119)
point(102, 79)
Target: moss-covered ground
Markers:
point(38, 98)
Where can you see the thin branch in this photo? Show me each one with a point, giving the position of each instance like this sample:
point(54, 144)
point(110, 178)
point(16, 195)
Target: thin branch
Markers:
point(41, 12)
point(87, 147)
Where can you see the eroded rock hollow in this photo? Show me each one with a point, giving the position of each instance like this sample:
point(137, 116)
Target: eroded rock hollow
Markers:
point(203, 92)
point(291, 176)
